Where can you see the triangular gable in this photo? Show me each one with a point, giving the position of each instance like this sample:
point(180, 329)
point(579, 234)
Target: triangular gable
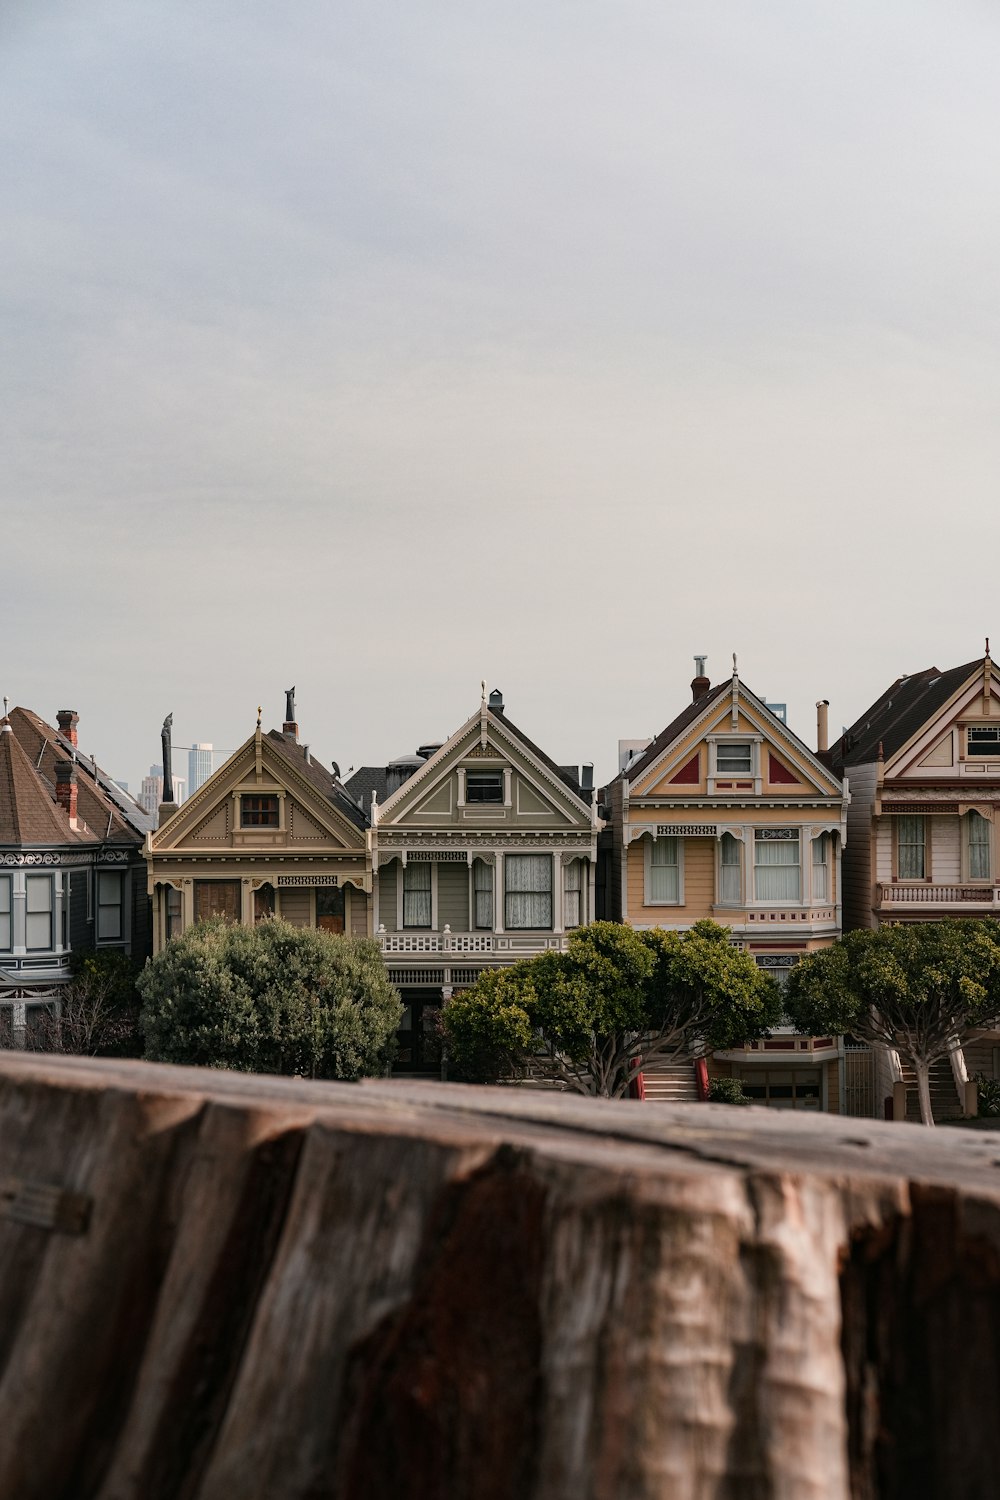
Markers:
point(484, 739)
point(207, 818)
point(934, 746)
point(786, 762)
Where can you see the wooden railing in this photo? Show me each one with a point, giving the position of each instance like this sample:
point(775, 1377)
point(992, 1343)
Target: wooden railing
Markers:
point(890, 894)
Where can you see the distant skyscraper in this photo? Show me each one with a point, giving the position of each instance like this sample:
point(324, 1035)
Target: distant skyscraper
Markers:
point(199, 766)
point(151, 796)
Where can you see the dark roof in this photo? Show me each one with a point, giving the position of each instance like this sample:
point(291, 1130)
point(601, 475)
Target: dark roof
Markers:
point(29, 815)
point(363, 782)
point(323, 780)
point(677, 726)
point(893, 719)
point(565, 775)
point(111, 816)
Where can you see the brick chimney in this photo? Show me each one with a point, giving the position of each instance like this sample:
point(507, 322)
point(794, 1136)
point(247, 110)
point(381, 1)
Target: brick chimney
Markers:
point(66, 787)
point(68, 719)
point(700, 684)
point(291, 729)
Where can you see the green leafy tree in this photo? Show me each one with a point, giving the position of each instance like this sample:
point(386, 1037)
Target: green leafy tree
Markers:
point(588, 1017)
point(918, 988)
point(271, 998)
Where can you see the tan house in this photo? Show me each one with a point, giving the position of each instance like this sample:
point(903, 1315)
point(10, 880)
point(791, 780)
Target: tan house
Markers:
point(271, 832)
point(728, 815)
point(483, 852)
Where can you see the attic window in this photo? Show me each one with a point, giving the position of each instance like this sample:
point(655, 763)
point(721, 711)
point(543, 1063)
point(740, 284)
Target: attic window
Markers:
point(985, 740)
point(484, 786)
point(258, 812)
point(733, 759)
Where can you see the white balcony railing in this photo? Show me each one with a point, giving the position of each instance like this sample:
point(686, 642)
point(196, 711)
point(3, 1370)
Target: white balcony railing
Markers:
point(938, 895)
point(447, 941)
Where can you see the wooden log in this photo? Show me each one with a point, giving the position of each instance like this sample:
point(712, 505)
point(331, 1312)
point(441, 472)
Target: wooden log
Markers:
point(217, 1286)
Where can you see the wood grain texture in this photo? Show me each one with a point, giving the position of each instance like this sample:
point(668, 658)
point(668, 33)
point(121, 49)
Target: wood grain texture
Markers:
point(314, 1290)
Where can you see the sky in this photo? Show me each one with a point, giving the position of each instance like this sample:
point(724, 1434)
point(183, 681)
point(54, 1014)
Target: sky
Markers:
point(383, 350)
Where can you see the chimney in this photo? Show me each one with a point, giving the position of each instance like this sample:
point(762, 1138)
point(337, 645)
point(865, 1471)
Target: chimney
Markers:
point(587, 776)
point(291, 729)
point(68, 719)
point(66, 787)
point(495, 704)
point(699, 683)
point(823, 725)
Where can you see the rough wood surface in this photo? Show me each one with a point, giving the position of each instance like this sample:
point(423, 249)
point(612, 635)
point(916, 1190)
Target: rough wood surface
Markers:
point(316, 1290)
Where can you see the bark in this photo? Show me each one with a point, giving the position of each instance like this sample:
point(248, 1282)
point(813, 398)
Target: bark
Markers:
point(261, 1287)
point(922, 1072)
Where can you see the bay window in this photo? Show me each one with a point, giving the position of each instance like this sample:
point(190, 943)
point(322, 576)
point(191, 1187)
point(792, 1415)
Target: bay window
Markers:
point(6, 928)
point(39, 912)
point(777, 868)
point(417, 895)
point(527, 891)
point(729, 870)
point(978, 834)
point(663, 872)
point(821, 867)
point(573, 893)
point(911, 857)
point(482, 886)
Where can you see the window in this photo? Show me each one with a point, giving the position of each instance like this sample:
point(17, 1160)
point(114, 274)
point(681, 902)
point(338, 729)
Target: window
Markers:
point(729, 870)
point(783, 1088)
point(39, 936)
point(777, 873)
point(733, 759)
point(258, 812)
point(173, 912)
point(821, 868)
point(978, 829)
point(984, 740)
point(263, 903)
point(330, 908)
point(528, 891)
point(6, 926)
point(417, 895)
point(482, 884)
point(572, 892)
point(484, 786)
point(910, 848)
point(110, 888)
point(664, 882)
point(216, 898)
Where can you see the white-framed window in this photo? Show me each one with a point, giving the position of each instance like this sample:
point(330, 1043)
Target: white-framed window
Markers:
point(821, 867)
point(417, 894)
point(484, 786)
point(482, 894)
point(733, 758)
point(977, 830)
point(729, 870)
point(777, 872)
point(110, 901)
point(663, 872)
point(39, 906)
point(911, 847)
point(983, 739)
point(527, 891)
point(6, 914)
point(573, 893)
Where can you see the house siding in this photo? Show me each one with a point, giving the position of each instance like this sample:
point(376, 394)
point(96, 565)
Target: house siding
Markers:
point(453, 896)
point(296, 907)
point(387, 877)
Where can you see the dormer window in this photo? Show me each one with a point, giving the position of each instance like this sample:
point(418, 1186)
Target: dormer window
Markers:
point(733, 758)
point(258, 812)
point(484, 786)
point(984, 739)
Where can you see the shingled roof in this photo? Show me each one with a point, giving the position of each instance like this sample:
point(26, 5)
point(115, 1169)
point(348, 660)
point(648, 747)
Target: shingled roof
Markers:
point(894, 718)
point(316, 773)
point(676, 727)
point(29, 816)
point(110, 815)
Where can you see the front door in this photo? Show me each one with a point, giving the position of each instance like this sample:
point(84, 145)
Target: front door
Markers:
point(330, 908)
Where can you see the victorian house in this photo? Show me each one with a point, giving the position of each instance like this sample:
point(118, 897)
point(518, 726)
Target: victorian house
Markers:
point(71, 870)
point(728, 815)
point(272, 832)
point(483, 852)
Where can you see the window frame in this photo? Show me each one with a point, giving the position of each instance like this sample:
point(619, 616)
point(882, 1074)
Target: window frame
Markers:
point(760, 839)
point(119, 905)
point(967, 846)
point(260, 817)
point(737, 865)
point(481, 780)
point(578, 891)
point(898, 846)
point(487, 890)
point(29, 881)
point(508, 893)
point(7, 883)
point(992, 743)
point(412, 865)
point(822, 844)
point(200, 885)
point(649, 843)
point(736, 743)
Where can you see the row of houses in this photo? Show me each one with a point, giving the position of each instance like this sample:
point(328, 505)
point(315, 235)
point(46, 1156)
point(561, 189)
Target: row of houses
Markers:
point(480, 850)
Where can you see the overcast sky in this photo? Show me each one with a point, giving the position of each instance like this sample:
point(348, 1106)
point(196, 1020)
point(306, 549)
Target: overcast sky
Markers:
point(383, 348)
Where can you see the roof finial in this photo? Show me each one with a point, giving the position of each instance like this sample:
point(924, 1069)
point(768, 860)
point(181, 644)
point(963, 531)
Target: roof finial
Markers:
point(6, 701)
point(258, 715)
point(735, 673)
point(6, 722)
point(987, 653)
point(483, 686)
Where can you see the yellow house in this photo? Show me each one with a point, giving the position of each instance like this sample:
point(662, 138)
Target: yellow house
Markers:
point(272, 832)
point(728, 815)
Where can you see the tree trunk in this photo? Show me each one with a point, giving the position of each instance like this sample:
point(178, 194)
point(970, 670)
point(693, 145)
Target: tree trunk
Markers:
point(217, 1285)
point(922, 1071)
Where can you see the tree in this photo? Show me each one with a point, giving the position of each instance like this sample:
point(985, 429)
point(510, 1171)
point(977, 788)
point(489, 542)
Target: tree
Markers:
point(588, 1017)
point(96, 1014)
point(917, 988)
point(271, 998)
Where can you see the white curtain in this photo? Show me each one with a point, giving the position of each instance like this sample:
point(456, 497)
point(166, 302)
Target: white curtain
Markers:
point(729, 862)
point(910, 859)
point(417, 895)
point(482, 879)
point(821, 868)
point(528, 880)
point(572, 891)
point(979, 846)
point(777, 874)
point(664, 871)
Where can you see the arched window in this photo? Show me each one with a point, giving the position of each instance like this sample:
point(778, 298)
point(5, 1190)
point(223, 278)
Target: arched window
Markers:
point(978, 835)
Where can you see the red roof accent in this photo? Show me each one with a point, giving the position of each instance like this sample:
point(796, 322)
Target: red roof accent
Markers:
point(688, 774)
point(778, 773)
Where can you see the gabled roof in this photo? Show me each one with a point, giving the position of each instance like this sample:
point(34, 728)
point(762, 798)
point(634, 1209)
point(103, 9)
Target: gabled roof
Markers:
point(102, 807)
point(365, 781)
point(29, 816)
point(565, 775)
point(676, 727)
point(895, 717)
point(316, 773)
